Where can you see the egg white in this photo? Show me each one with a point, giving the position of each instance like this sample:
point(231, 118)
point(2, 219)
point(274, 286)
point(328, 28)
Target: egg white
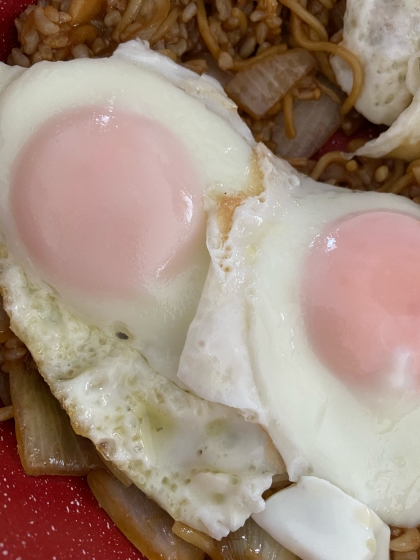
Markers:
point(401, 140)
point(247, 346)
point(157, 322)
point(383, 35)
point(200, 461)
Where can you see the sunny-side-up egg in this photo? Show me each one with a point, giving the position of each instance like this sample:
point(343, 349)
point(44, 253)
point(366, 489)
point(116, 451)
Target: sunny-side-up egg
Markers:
point(103, 165)
point(383, 35)
point(309, 324)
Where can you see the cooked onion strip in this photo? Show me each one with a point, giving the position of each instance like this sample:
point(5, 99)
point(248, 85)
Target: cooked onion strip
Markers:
point(248, 542)
point(119, 475)
point(260, 87)
point(337, 50)
point(197, 539)
point(324, 162)
point(315, 121)
point(288, 116)
point(165, 26)
point(6, 412)
point(47, 443)
point(5, 389)
point(141, 520)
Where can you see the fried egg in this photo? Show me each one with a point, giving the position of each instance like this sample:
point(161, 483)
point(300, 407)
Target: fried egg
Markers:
point(401, 140)
point(103, 165)
point(309, 324)
point(383, 36)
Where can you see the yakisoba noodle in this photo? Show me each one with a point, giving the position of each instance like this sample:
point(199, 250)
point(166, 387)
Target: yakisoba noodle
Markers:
point(331, 48)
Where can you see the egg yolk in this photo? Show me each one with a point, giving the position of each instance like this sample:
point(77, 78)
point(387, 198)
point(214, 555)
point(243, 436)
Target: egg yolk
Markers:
point(107, 201)
point(361, 298)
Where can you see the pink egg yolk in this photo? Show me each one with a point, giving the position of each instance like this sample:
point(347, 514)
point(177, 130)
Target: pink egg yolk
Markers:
point(361, 299)
point(106, 201)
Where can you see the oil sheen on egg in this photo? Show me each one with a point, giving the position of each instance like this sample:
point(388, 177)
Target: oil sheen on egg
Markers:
point(316, 288)
point(103, 165)
point(383, 35)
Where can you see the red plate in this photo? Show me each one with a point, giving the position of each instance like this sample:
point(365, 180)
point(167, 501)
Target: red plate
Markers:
point(48, 518)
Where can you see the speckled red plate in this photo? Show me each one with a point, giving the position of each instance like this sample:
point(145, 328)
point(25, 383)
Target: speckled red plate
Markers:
point(48, 518)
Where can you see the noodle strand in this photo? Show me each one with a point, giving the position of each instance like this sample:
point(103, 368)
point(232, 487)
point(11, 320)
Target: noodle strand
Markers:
point(324, 162)
point(308, 18)
point(204, 28)
point(303, 41)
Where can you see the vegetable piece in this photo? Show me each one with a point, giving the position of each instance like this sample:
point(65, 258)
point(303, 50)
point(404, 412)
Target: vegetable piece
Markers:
point(6, 412)
point(47, 443)
point(119, 475)
point(258, 88)
point(5, 397)
point(141, 520)
point(84, 33)
point(252, 540)
point(83, 11)
point(5, 332)
point(248, 542)
point(214, 70)
point(315, 122)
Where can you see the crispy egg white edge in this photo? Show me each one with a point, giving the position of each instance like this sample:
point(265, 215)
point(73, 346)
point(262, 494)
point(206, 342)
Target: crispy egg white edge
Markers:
point(230, 356)
point(205, 88)
point(383, 36)
point(90, 372)
point(401, 140)
point(147, 426)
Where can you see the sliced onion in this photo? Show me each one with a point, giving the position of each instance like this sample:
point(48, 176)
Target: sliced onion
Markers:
point(5, 332)
point(6, 412)
point(315, 122)
point(5, 397)
point(250, 541)
point(141, 520)
point(47, 443)
point(260, 86)
point(119, 475)
point(254, 539)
